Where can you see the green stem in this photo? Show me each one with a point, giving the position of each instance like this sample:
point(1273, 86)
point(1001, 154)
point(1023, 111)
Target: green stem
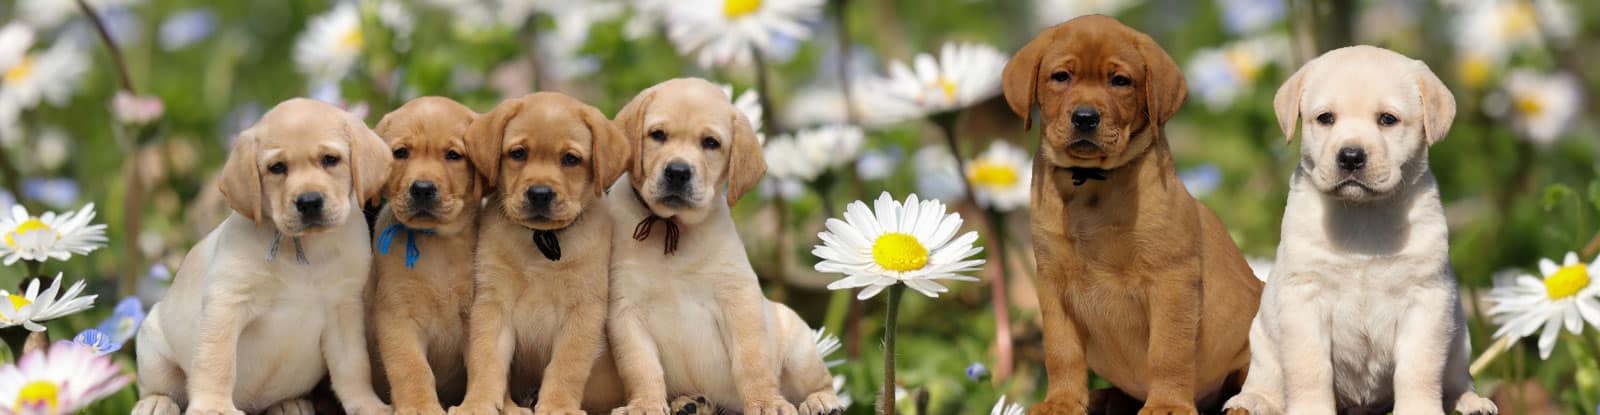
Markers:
point(840, 11)
point(111, 45)
point(886, 401)
point(769, 113)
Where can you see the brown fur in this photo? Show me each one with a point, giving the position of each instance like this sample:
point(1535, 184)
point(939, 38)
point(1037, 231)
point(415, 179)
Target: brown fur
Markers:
point(1137, 280)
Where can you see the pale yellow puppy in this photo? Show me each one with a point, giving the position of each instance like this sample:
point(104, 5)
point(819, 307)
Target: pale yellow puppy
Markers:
point(687, 313)
point(271, 300)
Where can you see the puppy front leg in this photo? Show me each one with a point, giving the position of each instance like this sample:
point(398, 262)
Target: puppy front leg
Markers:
point(1422, 341)
point(637, 361)
point(1305, 350)
point(214, 370)
point(488, 355)
point(402, 350)
point(1174, 331)
point(345, 349)
point(1067, 371)
point(749, 344)
point(576, 348)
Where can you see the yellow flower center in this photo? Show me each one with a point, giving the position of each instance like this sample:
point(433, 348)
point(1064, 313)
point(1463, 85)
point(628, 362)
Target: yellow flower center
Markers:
point(20, 71)
point(736, 8)
point(1244, 64)
point(18, 301)
point(948, 87)
point(351, 40)
point(32, 224)
point(1521, 18)
point(39, 394)
point(992, 174)
point(1529, 106)
point(1474, 70)
point(899, 252)
point(1567, 281)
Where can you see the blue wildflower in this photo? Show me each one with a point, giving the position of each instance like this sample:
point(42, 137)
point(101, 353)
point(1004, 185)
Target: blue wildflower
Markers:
point(55, 192)
point(186, 28)
point(101, 343)
point(124, 321)
point(1201, 180)
point(977, 372)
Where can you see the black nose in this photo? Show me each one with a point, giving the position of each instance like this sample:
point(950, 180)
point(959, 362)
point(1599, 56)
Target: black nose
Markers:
point(678, 174)
point(424, 190)
point(540, 197)
point(309, 204)
point(1085, 119)
point(1352, 158)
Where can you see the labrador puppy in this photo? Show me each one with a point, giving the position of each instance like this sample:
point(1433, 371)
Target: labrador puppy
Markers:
point(1362, 313)
point(687, 313)
point(1136, 279)
point(271, 300)
point(544, 251)
point(422, 275)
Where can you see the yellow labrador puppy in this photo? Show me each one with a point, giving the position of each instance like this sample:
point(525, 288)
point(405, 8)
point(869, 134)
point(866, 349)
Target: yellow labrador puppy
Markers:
point(679, 268)
point(1361, 313)
point(422, 276)
point(271, 300)
point(544, 248)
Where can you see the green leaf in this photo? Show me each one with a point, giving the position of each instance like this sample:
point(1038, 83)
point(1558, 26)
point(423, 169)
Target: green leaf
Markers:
point(1554, 194)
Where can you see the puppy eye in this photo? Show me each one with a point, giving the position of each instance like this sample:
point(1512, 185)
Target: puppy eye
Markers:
point(518, 154)
point(570, 160)
point(452, 155)
point(1325, 118)
point(1120, 80)
point(330, 161)
point(658, 135)
point(1061, 76)
point(402, 153)
point(709, 143)
point(278, 168)
point(1387, 119)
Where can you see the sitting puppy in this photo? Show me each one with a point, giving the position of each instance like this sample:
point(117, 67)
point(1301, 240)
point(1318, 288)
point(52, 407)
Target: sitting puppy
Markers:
point(1361, 313)
point(544, 250)
point(1137, 280)
point(423, 272)
point(271, 301)
point(679, 272)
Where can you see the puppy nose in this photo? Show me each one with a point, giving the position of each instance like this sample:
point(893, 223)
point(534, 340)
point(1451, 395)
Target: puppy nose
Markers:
point(309, 204)
point(678, 173)
point(424, 190)
point(540, 196)
point(1085, 118)
point(1352, 158)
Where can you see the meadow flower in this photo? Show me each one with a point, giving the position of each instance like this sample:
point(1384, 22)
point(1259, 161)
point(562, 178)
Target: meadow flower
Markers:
point(51, 147)
point(561, 50)
point(1050, 12)
point(1541, 107)
point(749, 104)
point(1201, 180)
point(1566, 296)
point(35, 238)
point(878, 164)
point(124, 321)
point(1250, 16)
point(808, 153)
point(816, 105)
point(838, 390)
point(31, 307)
point(1001, 176)
point(1002, 408)
point(29, 78)
point(1219, 75)
point(727, 32)
point(58, 192)
point(61, 380)
point(186, 27)
point(135, 109)
point(913, 242)
point(826, 345)
point(963, 74)
point(331, 44)
point(977, 371)
point(48, 14)
point(1488, 32)
point(101, 343)
point(936, 173)
point(394, 15)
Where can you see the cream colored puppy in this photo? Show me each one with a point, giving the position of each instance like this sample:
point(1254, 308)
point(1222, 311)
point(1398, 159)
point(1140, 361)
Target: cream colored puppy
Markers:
point(1361, 313)
point(271, 301)
point(687, 313)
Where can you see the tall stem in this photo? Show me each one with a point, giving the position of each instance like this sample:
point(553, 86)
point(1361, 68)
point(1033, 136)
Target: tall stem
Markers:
point(111, 45)
point(770, 124)
point(886, 400)
point(840, 12)
point(997, 290)
point(133, 198)
point(769, 113)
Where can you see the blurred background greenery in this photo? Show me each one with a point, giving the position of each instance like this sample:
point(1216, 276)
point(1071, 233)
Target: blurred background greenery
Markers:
point(1517, 172)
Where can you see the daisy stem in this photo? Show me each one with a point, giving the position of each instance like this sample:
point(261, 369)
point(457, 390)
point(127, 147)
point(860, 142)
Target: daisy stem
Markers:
point(1593, 247)
point(840, 12)
point(1489, 355)
point(111, 45)
point(997, 287)
point(886, 400)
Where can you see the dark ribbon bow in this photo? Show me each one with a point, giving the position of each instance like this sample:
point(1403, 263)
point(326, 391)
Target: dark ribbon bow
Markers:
point(412, 253)
point(548, 244)
point(1083, 174)
point(642, 231)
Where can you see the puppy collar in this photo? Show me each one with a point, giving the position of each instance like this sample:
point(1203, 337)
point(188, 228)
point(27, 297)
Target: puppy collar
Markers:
point(547, 243)
point(387, 237)
point(1084, 174)
point(299, 252)
point(642, 230)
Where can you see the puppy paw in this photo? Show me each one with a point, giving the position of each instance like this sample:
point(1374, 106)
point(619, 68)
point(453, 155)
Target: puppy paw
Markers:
point(1472, 404)
point(211, 407)
point(1159, 408)
point(1061, 405)
point(821, 403)
point(156, 405)
point(775, 405)
point(693, 405)
point(643, 407)
point(543, 410)
point(1250, 403)
point(291, 407)
point(475, 408)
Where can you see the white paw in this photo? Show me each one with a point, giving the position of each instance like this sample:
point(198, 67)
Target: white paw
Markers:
point(292, 407)
point(693, 405)
point(1472, 404)
point(821, 403)
point(1252, 404)
point(156, 405)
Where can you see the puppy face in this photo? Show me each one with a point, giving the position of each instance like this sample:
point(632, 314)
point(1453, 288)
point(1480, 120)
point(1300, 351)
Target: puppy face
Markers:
point(1102, 89)
point(1370, 116)
point(304, 167)
point(432, 181)
point(548, 156)
point(689, 140)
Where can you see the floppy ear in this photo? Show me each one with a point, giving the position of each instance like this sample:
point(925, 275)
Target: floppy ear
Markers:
point(1021, 76)
point(630, 120)
point(1438, 104)
point(484, 136)
point(369, 159)
point(240, 180)
point(1287, 101)
point(1164, 88)
point(745, 163)
point(383, 127)
point(611, 153)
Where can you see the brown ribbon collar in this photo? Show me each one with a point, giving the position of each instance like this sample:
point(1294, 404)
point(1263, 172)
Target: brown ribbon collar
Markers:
point(642, 231)
point(1083, 174)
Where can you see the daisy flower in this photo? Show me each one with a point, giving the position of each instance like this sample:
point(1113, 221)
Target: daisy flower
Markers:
point(1490, 31)
point(29, 78)
point(1003, 408)
point(1541, 107)
point(124, 321)
point(101, 343)
point(726, 32)
point(807, 154)
point(936, 173)
point(1001, 176)
point(838, 390)
point(60, 237)
point(32, 307)
point(1565, 296)
point(962, 75)
point(826, 345)
point(749, 104)
point(331, 44)
point(1219, 75)
point(561, 50)
point(62, 380)
point(914, 243)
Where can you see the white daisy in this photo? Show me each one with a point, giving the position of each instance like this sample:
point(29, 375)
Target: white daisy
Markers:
point(1490, 31)
point(1565, 296)
point(808, 153)
point(963, 75)
point(29, 78)
point(816, 105)
point(47, 14)
point(1219, 75)
point(561, 49)
point(838, 390)
point(31, 307)
point(331, 44)
point(31, 238)
point(1003, 408)
point(725, 32)
point(1052, 12)
point(62, 380)
point(1541, 107)
point(826, 345)
point(913, 242)
point(1001, 176)
point(936, 173)
point(748, 103)
point(1251, 16)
